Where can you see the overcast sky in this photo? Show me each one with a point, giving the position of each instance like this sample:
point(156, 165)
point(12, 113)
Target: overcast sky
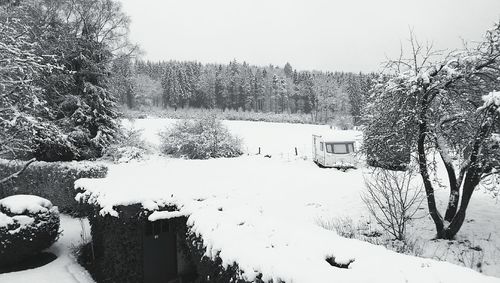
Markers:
point(329, 35)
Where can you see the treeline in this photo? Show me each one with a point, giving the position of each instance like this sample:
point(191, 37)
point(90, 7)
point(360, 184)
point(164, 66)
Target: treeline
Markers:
point(326, 96)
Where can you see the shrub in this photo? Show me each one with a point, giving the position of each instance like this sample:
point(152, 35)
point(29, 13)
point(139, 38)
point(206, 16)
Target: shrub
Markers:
point(128, 146)
point(51, 180)
point(28, 225)
point(393, 200)
point(200, 139)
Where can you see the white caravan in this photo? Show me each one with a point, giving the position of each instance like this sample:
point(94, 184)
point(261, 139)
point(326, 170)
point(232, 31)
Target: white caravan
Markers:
point(334, 151)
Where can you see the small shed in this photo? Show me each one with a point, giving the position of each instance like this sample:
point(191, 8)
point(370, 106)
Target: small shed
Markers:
point(335, 150)
point(131, 248)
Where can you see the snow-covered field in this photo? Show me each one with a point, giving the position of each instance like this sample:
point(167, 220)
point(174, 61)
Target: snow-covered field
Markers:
point(274, 207)
point(277, 139)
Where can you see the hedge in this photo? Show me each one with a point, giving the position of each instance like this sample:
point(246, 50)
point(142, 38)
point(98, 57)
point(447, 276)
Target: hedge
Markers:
point(51, 180)
point(115, 253)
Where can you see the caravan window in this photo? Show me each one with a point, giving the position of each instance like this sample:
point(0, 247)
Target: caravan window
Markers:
point(329, 148)
point(351, 147)
point(340, 148)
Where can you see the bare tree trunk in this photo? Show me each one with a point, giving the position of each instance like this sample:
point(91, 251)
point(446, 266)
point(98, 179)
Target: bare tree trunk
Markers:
point(470, 183)
point(454, 197)
point(424, 172)
point(472, 179)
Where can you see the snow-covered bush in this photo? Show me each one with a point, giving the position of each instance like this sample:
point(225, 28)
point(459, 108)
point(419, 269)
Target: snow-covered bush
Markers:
point(128, 146)
point(28, 225)
point(200, 139)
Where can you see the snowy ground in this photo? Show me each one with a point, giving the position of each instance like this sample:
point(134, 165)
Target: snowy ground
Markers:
point(272, 206)
point(277, 139)
point(64, 268)
point(275, 207)
point(277, 203)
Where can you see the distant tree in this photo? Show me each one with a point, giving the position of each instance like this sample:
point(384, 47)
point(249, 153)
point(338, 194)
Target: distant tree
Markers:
point(205, 89)
point(120, 82)
point(147, 91)
point(288, 70)
point(220, 97)
point(241, 86)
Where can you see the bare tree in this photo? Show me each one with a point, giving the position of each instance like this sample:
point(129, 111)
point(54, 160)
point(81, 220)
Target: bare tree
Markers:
point(393, 199)
point(452, 116)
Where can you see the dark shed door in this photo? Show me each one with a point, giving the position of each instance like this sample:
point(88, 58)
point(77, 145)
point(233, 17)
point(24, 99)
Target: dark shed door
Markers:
point(160, 252)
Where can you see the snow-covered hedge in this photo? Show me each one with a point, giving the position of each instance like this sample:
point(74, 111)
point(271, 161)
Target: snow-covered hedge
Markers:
point(28, 225)
point(51, 180)
point(200, 139)
point(116, 252)
point(212, 269)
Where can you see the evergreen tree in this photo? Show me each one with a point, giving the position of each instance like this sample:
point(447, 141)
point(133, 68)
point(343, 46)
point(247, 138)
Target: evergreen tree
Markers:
point(288, 70)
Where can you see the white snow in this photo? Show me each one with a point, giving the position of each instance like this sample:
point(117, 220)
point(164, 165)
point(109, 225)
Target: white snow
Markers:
point(495, 137)
point(262, 214)
point(64, 268)
point(5, 220)
point(492, 98)
point(23, 221)
point(157, 215)
point(18, 204)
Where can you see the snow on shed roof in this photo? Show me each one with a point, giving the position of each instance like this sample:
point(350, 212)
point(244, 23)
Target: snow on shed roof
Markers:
point(261, 214)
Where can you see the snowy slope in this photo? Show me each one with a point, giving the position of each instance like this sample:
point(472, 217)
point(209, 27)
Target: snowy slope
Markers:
point(261, 213)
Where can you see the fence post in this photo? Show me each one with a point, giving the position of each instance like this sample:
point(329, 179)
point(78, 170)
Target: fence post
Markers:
point(296, 152)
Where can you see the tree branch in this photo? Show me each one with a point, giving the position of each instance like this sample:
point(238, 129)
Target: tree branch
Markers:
point(18, 173)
